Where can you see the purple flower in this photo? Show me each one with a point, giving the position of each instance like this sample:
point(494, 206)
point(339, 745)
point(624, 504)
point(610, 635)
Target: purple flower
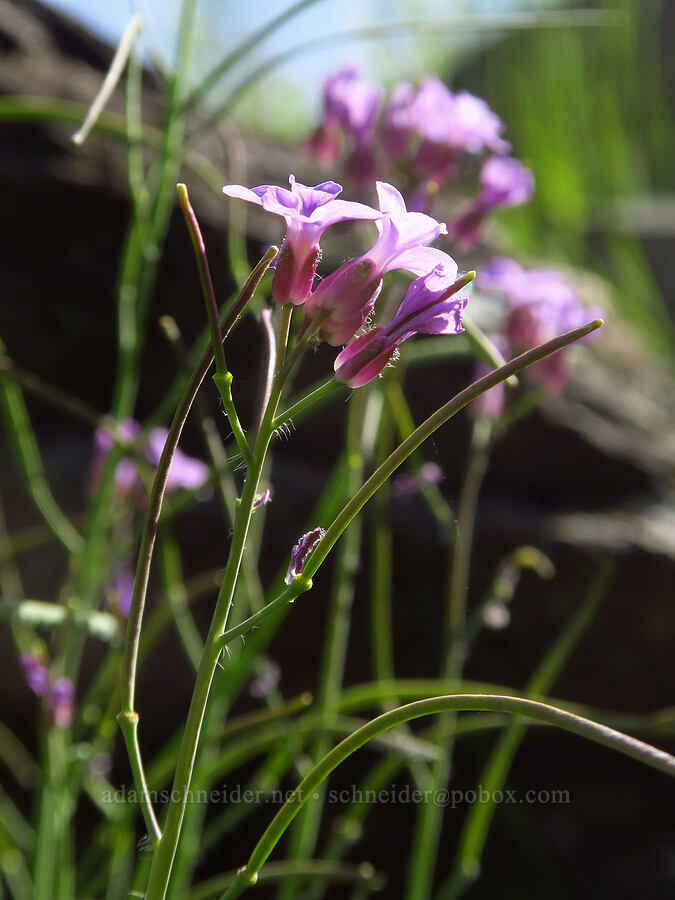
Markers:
point(351, 106)
point(398, 122)
point(449, 125)
point(120, 590)
point(428, 307)
point(59, 702)
point(408, 483)
point(301, 551)
point(541, 305)
point(125, 477)
point(349, 293)
point(57, 695)
point(35, 672)
point(308, 211)
point(184, 471)
point(504, 182)
point(262, 499)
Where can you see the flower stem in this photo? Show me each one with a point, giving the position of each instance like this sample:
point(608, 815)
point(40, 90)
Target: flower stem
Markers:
point(519, 706)
point(162, 863)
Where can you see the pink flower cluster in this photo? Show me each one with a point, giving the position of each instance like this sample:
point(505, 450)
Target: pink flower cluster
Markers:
point(540, 305)
point(184, 471)
point(344, 299)
point(419, 135)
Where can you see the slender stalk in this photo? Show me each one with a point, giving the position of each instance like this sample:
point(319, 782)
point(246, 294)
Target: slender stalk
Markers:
point(362, 422)
point(128, 722)
point(26, 453)
point(111, 79)
point(204, 276)
point(519, 706)
point(318, 870)
point(399, 455)
point(157, 494)
point(162, 863)
point(135, 621)
point(223, 378)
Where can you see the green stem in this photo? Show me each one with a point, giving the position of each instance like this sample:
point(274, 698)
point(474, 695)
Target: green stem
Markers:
point(519, 706)
point(128, 722)
point(317, 870)
point(162, 863)
point(159, 485)
point(26, 453)
point(364, 414)
point(421, 433)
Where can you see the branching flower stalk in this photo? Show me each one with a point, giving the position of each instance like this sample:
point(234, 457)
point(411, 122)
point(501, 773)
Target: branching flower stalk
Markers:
point(165, 852)
point(128, 717)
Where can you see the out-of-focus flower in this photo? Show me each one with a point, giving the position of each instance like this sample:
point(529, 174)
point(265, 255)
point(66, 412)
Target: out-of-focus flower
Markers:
point(408, 483)
point(398, 122)
point(126, 472)
point(120, 590)
point(35, 672)
point(542, 305)
point(429, 307)
point(57, 695)
point(349, 293)
point(351, 106)
point(504, 182)
point(59, 702)
point(301, 551)
point(262, 499)
point(449, 125)
point(184, 471)
point(269, 676)
point(308, 211)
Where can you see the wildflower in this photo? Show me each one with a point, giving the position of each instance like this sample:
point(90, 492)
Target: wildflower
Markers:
point(504, 182)
point(449, 125)
point(262, 499)
point(56, 695)
point(428, 307)
point(35, 672)
point(125, 477)
point(301, 551)
point(398, 122)
point(351, 106)
point(408, 483)
point(541, 305)
point(349, 293)
point(308, 211)
point(120, 590)
point(59, 702)
point(184, 471)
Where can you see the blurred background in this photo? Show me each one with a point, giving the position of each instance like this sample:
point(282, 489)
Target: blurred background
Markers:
point(586, 92)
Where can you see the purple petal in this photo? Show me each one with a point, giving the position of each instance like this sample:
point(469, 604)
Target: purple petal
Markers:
point(60, 702)
point(505, 182)
point(184, 471)
point(301, 551)
point(35, 672)
point(365, 358)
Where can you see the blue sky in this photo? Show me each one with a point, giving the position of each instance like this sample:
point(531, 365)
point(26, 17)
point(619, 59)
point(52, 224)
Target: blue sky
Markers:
point(221, 24)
